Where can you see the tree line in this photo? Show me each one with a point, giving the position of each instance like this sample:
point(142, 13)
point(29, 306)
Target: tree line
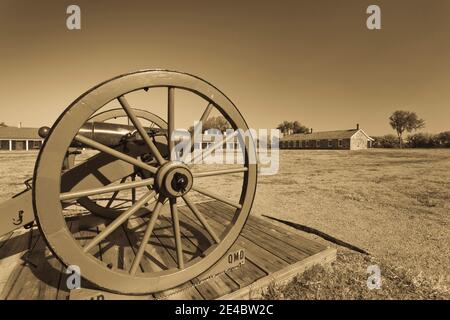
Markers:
point(417, 140)
point(407, 121)
point(402, 122)
point(292, 127)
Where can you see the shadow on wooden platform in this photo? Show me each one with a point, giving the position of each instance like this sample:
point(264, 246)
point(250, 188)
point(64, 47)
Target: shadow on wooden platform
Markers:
point(273, 253)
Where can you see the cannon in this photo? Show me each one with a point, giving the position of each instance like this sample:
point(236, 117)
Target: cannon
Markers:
point(134, 156)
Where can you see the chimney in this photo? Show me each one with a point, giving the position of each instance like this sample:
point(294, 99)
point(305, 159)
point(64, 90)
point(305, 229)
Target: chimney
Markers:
point(357, 126)
point(20, 125)
point(311, 130)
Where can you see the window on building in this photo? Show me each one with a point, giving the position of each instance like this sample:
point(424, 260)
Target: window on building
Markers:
point(330, 143)
point(318, 144)
point(340, 143)
point(4, 145)
point(306, 144)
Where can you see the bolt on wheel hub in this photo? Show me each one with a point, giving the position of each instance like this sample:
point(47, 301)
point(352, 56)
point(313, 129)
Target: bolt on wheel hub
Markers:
point(174, 179)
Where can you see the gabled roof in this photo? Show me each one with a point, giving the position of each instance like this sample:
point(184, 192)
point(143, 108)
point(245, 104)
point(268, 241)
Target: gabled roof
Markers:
point(324, 135)
point(15, 133)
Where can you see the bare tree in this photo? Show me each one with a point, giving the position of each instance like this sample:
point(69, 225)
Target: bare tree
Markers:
point(402, 121)
point(2, 124)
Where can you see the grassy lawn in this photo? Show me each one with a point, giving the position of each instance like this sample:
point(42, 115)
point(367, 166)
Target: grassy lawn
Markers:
point(394, 204)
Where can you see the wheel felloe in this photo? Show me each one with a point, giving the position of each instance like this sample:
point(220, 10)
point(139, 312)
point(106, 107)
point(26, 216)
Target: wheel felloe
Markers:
point(167, 181)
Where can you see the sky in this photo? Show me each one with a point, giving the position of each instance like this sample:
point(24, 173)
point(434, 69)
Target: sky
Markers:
point(313, 61)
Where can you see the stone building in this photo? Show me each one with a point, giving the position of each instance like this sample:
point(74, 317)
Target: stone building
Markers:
point(352, 139)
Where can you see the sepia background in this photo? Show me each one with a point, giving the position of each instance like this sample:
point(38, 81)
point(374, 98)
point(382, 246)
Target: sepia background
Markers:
point(312, 61)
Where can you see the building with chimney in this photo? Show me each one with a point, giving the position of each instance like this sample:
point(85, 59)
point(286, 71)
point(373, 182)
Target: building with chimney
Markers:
point(352, 139)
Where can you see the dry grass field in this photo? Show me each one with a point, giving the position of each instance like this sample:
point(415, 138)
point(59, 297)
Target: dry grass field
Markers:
point(394, 204)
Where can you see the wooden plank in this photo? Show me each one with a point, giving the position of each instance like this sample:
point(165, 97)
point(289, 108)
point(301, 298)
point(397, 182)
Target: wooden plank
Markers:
point(242, 276)
point(92, 294)
point(185, 291)
point(5, 238)
point(246, 274)
point(273, 245)
point(112, 249)
point(116, 251)
point(262, 258)
point(86, 229)
point(281, 276)
point(10, 260)
point(39, 278)
point(264, 243)
point(265, 260)
point(282, 233)
point(164, 234)
point(217, 287)
point(222, 283)
point(158, 258)
point(132, 229)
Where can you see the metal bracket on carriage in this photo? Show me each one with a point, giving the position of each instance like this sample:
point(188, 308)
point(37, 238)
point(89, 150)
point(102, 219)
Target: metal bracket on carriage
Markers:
point(229, 262)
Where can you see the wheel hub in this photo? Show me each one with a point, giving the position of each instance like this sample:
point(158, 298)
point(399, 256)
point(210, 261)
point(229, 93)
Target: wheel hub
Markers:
point(180, 182)
point(174, 179)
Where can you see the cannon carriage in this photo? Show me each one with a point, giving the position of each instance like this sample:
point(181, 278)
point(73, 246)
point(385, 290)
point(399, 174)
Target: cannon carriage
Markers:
point(135, 158)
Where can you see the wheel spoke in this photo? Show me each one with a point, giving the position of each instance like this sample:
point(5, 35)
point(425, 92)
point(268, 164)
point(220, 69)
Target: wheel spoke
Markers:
point(133, 191)
point(147, 234)
point(137, 124)
point(115, 194)
point(117, 154)
point(200, 217)
point(177, 232)
point(217, 197)
point(218, 172)
point(215, 146)
point(171, 121)
point(203, 118)
point(121, 219)
point(107, 189)
point(206, 113)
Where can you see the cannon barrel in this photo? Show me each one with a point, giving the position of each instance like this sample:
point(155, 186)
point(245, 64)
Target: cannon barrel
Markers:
point(110, 134)
point(18, 211)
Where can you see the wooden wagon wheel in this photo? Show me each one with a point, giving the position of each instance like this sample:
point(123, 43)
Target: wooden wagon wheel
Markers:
point(108, 209)
point(171, 181)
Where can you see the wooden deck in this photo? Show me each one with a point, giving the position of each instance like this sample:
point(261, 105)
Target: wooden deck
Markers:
point(273, 254)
